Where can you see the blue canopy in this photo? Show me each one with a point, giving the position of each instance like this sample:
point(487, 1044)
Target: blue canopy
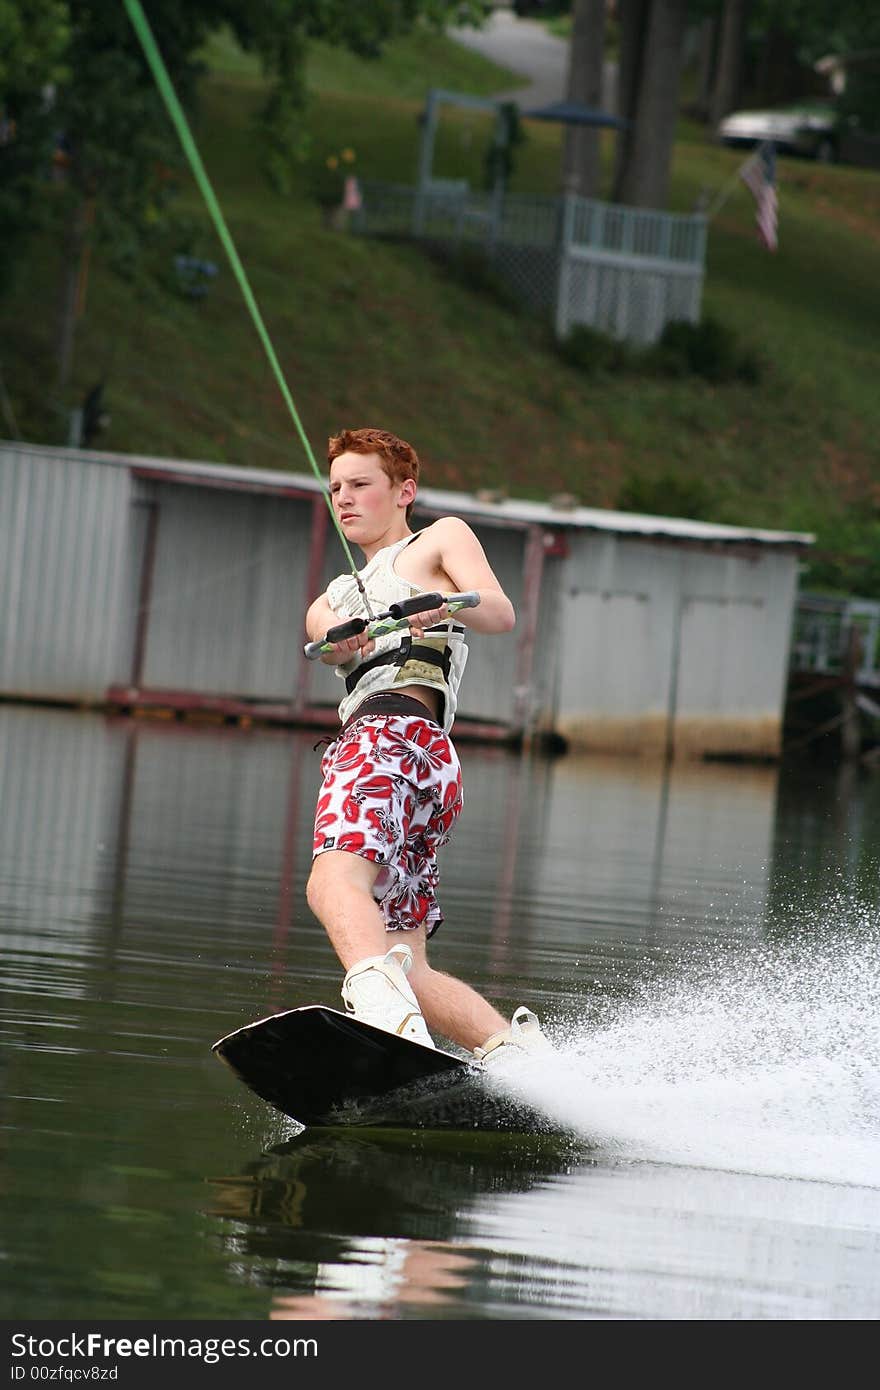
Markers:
point(574, 113)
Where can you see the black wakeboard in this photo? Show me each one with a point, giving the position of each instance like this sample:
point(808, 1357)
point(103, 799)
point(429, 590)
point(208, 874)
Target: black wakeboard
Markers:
point(325, 1068)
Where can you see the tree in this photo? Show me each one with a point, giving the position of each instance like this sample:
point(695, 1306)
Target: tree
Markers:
point(119, 152)
point(580, 160)
point(651, 41)
point(33, 43)
point(773, 46)
point(729, 62)
point(789, 36)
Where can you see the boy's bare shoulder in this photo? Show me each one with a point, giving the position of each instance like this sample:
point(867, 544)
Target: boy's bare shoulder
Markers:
point(446, 529)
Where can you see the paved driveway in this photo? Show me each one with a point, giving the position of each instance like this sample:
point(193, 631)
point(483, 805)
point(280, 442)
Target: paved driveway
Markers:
point(525, 46)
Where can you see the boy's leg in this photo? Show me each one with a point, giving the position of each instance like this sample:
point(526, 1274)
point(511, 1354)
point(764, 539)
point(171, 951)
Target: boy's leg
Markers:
point(340, 893)
point(375, 988)
point(450, 1006)
point(341, 897)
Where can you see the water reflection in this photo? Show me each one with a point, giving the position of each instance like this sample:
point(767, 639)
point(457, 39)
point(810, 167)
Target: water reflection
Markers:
point(330, 1229)
point(352, 1225)
point(703, 942)
point(207, 831)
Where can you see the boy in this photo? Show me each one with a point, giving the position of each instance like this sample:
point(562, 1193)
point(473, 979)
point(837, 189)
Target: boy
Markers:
point(392, 781)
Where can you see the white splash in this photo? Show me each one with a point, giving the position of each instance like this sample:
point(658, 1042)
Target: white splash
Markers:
point(764, 1060)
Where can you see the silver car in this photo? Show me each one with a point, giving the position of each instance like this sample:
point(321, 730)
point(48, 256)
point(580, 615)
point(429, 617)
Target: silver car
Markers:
point(808, 128)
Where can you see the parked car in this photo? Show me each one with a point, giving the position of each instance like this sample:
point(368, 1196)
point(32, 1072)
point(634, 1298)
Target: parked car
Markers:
point(808, 128)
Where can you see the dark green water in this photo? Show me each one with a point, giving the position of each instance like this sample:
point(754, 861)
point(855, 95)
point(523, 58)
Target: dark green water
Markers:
point(702, 945)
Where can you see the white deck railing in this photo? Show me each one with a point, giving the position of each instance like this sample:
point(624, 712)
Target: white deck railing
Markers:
point(623, 271)
point(824, 633)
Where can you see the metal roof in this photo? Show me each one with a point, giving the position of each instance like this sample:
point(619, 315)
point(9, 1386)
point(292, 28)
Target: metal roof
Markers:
point(600, 519)
point(491, 507)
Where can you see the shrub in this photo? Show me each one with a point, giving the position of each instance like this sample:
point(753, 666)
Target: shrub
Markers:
point(708, 349)
point(593, 352)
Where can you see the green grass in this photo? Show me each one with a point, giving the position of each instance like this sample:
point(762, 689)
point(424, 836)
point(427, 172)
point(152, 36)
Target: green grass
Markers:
point(409, 66)
point(374, 332)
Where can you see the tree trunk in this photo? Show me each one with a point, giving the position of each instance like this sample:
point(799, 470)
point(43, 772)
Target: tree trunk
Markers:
point(706, 67)
point(728, 75)
point(644, 177)
point(580, 159)
point(632, 18)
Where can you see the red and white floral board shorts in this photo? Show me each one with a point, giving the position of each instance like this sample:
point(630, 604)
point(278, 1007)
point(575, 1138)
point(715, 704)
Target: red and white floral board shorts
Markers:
point(391, 793)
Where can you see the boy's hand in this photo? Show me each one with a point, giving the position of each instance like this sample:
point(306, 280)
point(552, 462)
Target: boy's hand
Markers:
point(420, 622)
point(361, 645)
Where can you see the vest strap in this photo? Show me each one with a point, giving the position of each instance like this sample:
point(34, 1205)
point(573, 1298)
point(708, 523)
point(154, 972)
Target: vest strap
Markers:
point(399, 656)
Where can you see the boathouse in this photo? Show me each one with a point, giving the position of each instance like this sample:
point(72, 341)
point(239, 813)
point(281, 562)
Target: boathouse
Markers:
point(143, 584)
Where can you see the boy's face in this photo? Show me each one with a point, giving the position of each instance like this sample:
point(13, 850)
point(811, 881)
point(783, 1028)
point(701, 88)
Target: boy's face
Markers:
point(366, 502)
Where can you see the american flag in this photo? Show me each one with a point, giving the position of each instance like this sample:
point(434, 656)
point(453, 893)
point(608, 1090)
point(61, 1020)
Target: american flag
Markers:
point(759, 175)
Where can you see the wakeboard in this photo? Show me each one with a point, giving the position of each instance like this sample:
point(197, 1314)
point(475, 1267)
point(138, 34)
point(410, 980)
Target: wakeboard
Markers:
point(323, 1068)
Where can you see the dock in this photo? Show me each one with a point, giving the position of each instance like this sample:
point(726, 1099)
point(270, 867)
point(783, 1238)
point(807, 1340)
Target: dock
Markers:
point(833, 697)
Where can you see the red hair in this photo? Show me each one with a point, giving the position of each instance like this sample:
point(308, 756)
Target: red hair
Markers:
point(399, 460)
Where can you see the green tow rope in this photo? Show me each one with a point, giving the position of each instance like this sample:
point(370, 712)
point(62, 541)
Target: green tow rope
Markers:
point(175, 111)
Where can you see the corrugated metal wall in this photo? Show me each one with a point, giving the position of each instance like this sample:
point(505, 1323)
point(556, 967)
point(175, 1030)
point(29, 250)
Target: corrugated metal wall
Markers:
point(227, 589)
point(121, 576)
point(678, 649)
point(228, 593)
point(64, 557)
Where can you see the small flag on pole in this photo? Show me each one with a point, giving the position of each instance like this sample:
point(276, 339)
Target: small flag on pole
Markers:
point(351, 197)
point(759, 175)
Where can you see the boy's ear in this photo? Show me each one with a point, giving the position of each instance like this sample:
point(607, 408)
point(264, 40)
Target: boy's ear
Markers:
point(407, 492)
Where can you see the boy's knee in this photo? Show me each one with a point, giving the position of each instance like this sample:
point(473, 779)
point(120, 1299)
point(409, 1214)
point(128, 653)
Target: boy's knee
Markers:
point(314, 886)
point(337, 871)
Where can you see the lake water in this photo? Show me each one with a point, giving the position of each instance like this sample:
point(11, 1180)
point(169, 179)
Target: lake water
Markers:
point(702, 944)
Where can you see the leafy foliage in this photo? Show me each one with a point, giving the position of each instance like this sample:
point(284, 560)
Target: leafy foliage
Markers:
point(708, 349)
point(500, 153)
point(592, 352)
point(820, 26)
point(667, 494)
point(34, 41)
point(33, 38)
point(847, 557)
point(73, 75)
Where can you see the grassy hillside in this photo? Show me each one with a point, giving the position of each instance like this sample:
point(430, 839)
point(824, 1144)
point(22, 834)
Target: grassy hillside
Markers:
point(376, 333)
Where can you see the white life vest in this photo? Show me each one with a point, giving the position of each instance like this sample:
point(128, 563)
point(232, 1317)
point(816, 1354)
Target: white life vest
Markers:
point(436, 660)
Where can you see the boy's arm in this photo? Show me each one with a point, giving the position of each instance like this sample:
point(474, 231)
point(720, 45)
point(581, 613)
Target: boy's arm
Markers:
point(462, 557)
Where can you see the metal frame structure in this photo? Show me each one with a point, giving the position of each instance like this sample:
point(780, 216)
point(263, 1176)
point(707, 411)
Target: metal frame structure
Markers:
point(428, 188)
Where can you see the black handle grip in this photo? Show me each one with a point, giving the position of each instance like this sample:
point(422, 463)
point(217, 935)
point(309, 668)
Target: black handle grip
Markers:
point(419, 603)
point(353, 628)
